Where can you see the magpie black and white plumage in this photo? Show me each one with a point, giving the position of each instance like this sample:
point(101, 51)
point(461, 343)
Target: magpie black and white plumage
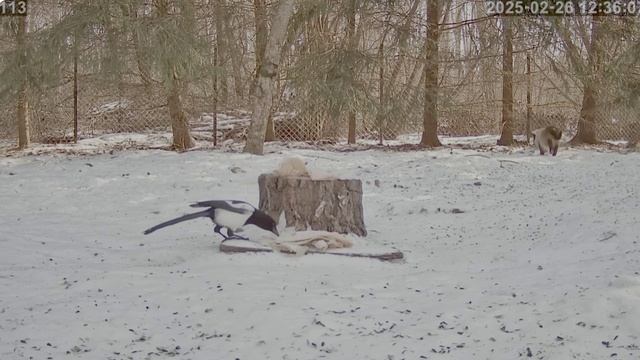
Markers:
point(229, 214)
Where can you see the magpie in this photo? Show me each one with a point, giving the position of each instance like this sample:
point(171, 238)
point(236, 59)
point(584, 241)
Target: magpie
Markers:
point(229, 214)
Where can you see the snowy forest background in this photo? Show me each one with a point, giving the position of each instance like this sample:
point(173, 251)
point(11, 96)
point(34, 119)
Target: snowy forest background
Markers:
point(348, 70)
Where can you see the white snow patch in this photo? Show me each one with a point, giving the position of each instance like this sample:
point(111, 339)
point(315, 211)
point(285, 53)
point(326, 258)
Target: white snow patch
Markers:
point(542, 258)
point(110, 107)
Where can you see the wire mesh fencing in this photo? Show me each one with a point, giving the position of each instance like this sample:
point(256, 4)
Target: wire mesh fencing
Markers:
point(135, 108)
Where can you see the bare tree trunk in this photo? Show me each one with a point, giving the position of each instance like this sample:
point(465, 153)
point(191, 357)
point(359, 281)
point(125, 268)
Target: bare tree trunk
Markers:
point(236, 59)
point(587, 123)
point(213, 38)
point(220, 14)
point(214, 109)
point(381, 114)
point(487, 32)
point(353, 43)
point(506, 138)
point(270, 134)
point(351, 135)
point(430, 116)
point(75, 89)
point(457, 44)
point(589, 72)
point(22, 111)
point(263, 96)
point(141, 61)
point(528, 125)
point(22, 114)
point(261, 25)
point(179, 124)
point(262, 29)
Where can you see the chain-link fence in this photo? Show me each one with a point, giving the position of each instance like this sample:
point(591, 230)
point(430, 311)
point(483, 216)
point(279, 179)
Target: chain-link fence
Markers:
point(134, 108)
point(379, 83)
point(466, 108)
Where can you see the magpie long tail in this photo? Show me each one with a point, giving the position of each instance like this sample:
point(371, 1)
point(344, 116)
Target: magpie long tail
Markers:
point(205, 213)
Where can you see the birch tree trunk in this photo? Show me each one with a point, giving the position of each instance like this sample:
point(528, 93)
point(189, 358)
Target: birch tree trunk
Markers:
point(262, 29)
point(263, 93)
point(22, 111)
point(506, 138)
point(430, 116)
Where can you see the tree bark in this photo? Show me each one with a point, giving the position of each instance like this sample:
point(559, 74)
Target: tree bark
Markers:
point(506, 137)
point(381, 115)
point(22, 110)
point(236, 59)
point(263, 94)
point(22, 115)
point(141, 60)
point(75, 88)
point(223, 80)
point(430, 116)
point(270, 134)
point(529, 108)
point(381, 111)
point(589, 73)
point(214, 109)
point(262, 29)
point(351, 135)
point(329, 204)
point(586, 133)
point(179, 125)
point(353, 43)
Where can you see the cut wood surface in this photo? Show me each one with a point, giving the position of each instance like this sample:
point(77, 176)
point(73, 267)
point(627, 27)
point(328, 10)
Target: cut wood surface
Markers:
point(243, 246)
point(317, 204)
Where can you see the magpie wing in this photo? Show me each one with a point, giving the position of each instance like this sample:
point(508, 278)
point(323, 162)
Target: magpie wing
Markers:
point(236, 206)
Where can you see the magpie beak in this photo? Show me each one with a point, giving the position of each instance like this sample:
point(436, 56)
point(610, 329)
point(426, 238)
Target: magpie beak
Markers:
point(229, 214)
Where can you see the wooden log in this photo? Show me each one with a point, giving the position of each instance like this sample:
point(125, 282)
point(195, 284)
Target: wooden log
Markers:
point(235, 246)
point(317, 204)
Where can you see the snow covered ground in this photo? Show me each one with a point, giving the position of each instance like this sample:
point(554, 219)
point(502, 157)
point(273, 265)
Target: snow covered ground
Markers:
point(541, 261)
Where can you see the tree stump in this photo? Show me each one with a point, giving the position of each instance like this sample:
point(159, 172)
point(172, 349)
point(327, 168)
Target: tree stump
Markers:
point(324, 204)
